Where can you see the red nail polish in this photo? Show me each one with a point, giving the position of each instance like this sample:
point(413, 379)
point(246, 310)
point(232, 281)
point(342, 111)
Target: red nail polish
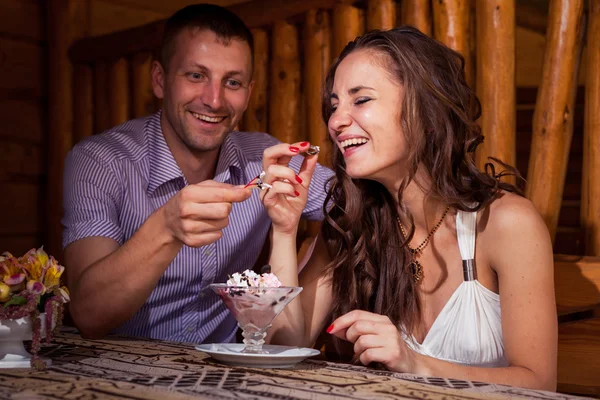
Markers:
point(250, 183)
point(330, 328)
point(298, 179)
point(294, 149)
point(304, 144)
point(296, 193)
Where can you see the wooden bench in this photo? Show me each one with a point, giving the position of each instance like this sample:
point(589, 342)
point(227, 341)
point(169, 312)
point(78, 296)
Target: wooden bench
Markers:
point(577, 285)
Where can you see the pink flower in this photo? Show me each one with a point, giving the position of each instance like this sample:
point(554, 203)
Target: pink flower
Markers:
point(14, 279)
point(36, 287)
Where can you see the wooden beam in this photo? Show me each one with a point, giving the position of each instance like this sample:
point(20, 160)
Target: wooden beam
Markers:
point(531, 18)
point(452, 26)
point(553, 116)
point(590, 194)
point(148, 37)
point(119, 92)
point(381, 14)
point(418, 14)
point(141, 85)
point(83, 102)
point(496, 80)
point(576, 282)
point(101, 97)
point(347, 24)
point(255, 117)
point(284, 107)
point(317, 57)
point(65, 22)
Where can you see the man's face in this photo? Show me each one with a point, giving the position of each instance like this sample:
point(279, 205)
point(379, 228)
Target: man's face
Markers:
point(205, 88)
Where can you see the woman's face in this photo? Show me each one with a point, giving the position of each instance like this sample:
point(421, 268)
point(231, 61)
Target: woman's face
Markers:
point(366, 102)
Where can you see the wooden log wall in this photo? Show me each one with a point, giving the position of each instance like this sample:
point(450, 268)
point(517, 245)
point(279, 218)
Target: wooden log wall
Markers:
point(309, 35)
point(496, 79)
point(552, 123)
point(23, 99)
point(590, 196)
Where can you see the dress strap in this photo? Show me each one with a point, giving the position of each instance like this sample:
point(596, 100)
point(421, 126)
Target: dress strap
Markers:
point(466, 225)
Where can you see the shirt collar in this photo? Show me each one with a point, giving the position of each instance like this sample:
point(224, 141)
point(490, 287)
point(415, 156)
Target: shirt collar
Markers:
point(164, 168)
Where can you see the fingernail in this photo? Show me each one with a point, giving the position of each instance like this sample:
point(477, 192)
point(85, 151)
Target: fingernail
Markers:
point(298, 179)
point(294, 149)
point(304, 144)
point(330, 328)
point(296, 193)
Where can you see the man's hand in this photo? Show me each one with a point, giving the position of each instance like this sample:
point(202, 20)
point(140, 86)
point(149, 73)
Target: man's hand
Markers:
point(197, 214)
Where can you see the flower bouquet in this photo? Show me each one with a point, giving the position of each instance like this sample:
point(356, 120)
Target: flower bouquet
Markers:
point(30, 288)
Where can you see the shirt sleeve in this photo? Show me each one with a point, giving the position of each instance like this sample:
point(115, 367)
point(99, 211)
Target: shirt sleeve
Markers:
point(91, 196)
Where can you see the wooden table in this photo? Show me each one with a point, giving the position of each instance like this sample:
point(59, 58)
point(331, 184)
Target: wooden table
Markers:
point(128, 368)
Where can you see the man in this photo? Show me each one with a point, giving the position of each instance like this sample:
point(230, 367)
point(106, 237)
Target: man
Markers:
point(155, 209)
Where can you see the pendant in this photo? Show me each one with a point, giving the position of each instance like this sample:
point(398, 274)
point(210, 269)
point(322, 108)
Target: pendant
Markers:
point(416, 270)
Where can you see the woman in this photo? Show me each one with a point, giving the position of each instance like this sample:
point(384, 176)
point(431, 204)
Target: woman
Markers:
point(423, 264)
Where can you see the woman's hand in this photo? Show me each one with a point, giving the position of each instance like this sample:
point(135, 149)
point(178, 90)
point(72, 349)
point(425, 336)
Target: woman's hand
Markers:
point(287, 197)
point(376, 339)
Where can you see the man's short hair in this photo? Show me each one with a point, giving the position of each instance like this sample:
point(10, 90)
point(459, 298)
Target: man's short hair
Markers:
point(224, 23)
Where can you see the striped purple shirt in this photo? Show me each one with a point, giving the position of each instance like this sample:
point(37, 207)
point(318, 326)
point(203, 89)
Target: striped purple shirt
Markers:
point(115, 180)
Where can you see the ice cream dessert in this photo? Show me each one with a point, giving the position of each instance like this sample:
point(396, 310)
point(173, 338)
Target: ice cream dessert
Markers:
point(249, 278)
point(255, 300)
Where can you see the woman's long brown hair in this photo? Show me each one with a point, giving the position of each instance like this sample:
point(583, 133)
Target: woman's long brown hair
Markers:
point(439, 110)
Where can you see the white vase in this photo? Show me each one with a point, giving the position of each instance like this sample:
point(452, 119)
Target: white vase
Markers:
point(12, 334)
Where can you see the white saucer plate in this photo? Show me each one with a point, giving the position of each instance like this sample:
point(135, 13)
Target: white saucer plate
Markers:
point(276, 357)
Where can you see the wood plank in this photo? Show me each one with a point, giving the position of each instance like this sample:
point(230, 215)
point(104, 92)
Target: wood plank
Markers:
point(167, 7)
point(381, 14)
point(20, 205)
point(101, 97)
point(418, 14)
point(119, 92)
point(22, 66)
point(576, 281)
point(108, 17)
point(451, 26)
point(148, 37)
point(317, 58)
point(141, 84)
point(18, 245)
point(347, 24)
point(66, 21)
point(496, 80)
point(284, 113)
point(590, 194)
point(255, 117)
point(579, 357)
point(23, 18)
point(18, 160)
point(83, 102)
point(552, 125)
point(22, 120)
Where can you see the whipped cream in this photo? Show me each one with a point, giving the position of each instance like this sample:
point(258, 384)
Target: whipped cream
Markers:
point(249, 278)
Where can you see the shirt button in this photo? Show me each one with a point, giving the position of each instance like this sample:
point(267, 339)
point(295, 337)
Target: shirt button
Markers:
point(190, 328)
point(207, 252)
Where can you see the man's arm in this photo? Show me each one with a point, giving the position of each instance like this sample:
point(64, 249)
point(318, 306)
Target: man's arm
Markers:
point(108, 282)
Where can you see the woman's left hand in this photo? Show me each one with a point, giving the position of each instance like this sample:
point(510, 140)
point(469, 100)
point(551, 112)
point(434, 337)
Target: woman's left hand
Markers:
point(376, 339)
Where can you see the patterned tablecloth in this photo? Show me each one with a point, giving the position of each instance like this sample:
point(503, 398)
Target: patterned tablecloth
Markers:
point(126, 368)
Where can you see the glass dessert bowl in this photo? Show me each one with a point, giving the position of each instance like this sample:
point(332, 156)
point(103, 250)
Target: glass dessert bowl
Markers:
point(254, 307)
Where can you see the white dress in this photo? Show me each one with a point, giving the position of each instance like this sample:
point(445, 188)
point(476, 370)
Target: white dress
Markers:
point(468, 330)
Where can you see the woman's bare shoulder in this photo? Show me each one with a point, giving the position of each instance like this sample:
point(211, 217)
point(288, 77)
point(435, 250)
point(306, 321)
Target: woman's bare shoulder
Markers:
point(510, 212)
point(511, 228)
